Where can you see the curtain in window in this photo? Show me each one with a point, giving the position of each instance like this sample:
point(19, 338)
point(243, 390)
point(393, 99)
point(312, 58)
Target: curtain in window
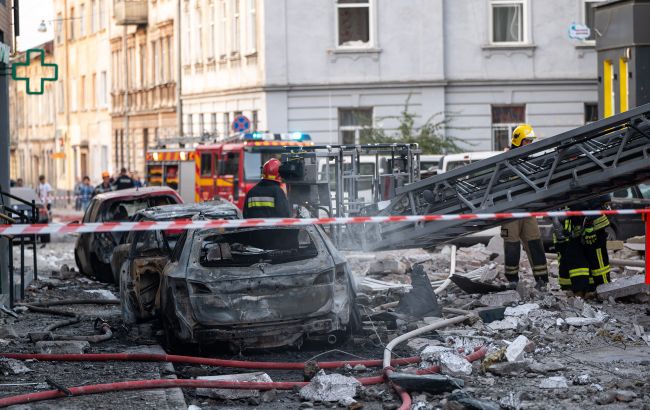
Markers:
point(507, 23)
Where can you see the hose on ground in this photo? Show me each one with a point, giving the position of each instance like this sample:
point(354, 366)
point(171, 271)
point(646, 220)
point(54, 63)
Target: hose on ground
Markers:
point(452, 270)
point(63, 323)
point(106, 334)
point(40, 309)
point(238, 364)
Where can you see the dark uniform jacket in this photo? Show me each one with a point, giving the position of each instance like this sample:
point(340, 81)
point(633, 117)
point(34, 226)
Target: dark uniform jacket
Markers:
point(124, 182)
point(266, 200)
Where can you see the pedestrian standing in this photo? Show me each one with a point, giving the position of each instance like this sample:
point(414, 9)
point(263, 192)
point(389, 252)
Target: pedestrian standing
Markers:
point(105, 186)
point(524, 231)
point(124, 181)
point(44, 191)
point(137, 183)
point(85, 193)
point(77, 195)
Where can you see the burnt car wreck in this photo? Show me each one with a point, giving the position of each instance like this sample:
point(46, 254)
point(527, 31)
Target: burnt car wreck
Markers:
point(247, 288)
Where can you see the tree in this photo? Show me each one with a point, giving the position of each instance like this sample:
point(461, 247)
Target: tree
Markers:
point(429, 136)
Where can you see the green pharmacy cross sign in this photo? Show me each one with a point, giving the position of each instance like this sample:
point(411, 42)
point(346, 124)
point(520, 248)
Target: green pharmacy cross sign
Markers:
point(28, 57)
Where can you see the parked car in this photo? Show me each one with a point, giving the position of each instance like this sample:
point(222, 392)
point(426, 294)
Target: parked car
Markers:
point(621, 227)
point(259, 287)
point(93, 250)
point(28, 195)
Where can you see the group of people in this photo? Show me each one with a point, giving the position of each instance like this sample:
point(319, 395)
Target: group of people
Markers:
point(580, 242)
point(84, 191)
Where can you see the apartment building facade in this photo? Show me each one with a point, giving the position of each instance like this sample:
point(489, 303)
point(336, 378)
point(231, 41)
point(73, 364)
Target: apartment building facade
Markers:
point(83, 123)
point(33, 122)
point(143, 93)
point(334, 68)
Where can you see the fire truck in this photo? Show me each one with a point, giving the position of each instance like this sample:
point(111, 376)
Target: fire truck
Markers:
point(230, 169)
point(173, 168)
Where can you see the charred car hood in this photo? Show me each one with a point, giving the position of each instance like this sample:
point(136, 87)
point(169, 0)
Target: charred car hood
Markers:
point(262, 292)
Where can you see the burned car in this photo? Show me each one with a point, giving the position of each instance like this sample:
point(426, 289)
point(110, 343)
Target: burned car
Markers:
point(142, 256)
point(257, 287)
point(93, 251)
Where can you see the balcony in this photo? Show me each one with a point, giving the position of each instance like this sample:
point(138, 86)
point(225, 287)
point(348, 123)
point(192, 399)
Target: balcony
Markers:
point(130, 12)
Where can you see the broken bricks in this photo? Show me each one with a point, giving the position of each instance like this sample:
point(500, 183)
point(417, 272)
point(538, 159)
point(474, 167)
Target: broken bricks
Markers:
point(621, 287)
point(329, 387)
point(500, 299)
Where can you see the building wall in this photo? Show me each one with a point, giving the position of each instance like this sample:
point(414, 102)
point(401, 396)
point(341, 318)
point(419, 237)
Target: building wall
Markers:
point(83, 55)
point(151, 72)
point(551, 74)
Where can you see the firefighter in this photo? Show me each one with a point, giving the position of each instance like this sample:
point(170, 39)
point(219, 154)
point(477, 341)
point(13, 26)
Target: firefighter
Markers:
point(594, 241)
point(267, 199)
point(524, 231)
point(573, 265)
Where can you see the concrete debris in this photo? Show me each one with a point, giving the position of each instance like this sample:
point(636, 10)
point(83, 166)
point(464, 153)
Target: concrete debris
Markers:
point(508, 368)
point(454, 364)
point(510, 402)
point(11, 367)
point(467, 402)
point(582, 321)
point(62, 347)
point(432, 353)
point(501, 298)
point(417, 344)
point(347, 402)
point(387, 267)
point(8, 332)
point(329, 387)
point(521, 310)
point(509, 323)
point(606, 398)
point(622, 287)
point(232, 394)
point(625, 395)
point(490, 314)
point(103, 294)
point(515, 352)
point(421, 300)
point(193, 407)
point(555, 382)
point(546, 367)
point(359, 368)
point(582, 380)
point(430, 383)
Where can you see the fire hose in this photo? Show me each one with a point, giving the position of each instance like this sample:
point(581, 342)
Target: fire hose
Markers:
point(170, 383)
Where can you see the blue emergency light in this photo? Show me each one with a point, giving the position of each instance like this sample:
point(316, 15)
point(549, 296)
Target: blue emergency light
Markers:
point(268, 136)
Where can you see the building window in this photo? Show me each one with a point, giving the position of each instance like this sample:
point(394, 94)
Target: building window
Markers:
point(73, 21)
point(505, 118)
point(198, 50)
point(590, 18)
point(507, 21)
point(255, 121)
point(224, 30)
point(354, 23)
point(161, 65)
point(591, 112)
point(143, 65)
point(187, 54)
point(82, 20)
point(93, 16)
point(212, 33)
point(213, 123)
point(82, 98)
point(93, 95)
point(61, 94)
point(190, 131)
point(252, 26)
point(102, 14)
point(354, 123)
point(236, 29)
point(226, 124)
point(59, 28)
point(170, 51)
point(202, 129)
point(73, 94)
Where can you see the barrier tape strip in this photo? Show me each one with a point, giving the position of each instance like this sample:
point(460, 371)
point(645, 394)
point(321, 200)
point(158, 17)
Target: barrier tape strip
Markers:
point(58, 228)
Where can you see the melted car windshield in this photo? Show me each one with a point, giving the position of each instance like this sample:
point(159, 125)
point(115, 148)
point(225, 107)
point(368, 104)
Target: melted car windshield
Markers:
point(246, 248)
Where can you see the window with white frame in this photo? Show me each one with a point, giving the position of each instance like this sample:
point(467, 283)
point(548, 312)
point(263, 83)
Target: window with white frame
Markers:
point(154, 70)
point(143, 65)
point(163, 57)
point(61, 95)
point(236, 28)
point(226, 124)
point(505, 118)
point(82, 20)
point(73, 94)
point(212, 33)
point(353, 124)
point(508, 22)
point(103, 89)
point(59, 28)
point(213, 123)
point(102, 14)
point(168, 63)
point(252, 26)
point(589, 18)
point(201, 124)
point(198, 50)
point(223, 29)
point(354, 23)
point(187, 40)
point(93, 16)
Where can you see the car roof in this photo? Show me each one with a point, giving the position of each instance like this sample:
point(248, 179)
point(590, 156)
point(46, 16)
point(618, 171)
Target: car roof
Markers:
point(137, 192)
point(210, 210)
point(24, 193)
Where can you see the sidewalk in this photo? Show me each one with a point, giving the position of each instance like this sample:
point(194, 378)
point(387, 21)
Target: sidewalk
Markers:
point(66, 215)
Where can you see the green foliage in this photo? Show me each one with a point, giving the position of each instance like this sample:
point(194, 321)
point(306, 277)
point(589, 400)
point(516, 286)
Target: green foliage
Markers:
point(429, 136)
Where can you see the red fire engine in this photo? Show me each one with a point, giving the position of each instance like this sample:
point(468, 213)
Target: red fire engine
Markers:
point(173, 168)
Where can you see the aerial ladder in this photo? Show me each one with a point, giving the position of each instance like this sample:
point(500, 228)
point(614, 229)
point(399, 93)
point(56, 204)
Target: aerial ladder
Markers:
point(598, 158)
point(555, 172)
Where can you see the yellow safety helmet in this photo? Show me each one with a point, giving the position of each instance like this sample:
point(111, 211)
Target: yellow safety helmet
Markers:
point(521, 133)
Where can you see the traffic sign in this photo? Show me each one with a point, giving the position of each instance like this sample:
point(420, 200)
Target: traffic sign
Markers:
point(241, 124)
point(579, 31)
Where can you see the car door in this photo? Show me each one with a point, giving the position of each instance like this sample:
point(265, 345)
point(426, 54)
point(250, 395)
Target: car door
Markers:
point(627, 226)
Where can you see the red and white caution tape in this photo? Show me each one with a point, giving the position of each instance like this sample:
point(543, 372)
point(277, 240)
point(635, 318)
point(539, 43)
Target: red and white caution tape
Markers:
point(57, 228)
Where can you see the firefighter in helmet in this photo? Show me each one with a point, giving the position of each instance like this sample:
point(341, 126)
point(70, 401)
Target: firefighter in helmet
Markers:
point(524, 231)
point(267, 199)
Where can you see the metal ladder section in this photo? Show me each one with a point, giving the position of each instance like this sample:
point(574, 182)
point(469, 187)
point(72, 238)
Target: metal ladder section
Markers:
point(595, 159)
